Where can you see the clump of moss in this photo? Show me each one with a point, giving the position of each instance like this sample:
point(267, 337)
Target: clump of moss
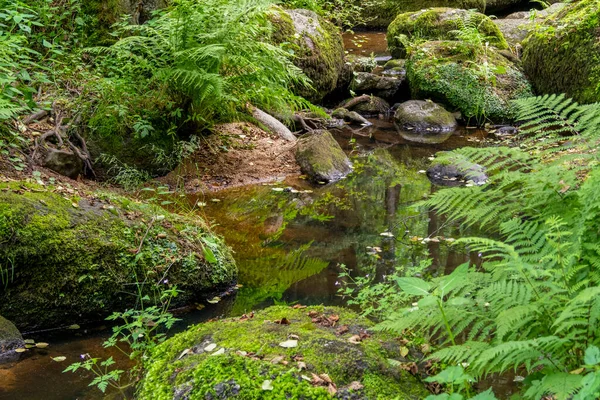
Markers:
point(317, 47)
point(438, 24)
point(382, 13)
point(563, 55)
point(252, 355)
point(479, 85)
point(75, 258)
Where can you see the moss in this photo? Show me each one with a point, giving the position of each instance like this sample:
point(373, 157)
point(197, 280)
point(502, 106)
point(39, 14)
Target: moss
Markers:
point(321, 157)
point(478, 85)
point(565, 57)
point(319, 347)
point(317, 47)
point(73, 264)
point(438, 24)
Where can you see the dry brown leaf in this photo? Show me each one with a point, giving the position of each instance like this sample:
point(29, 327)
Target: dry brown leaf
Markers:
point(354, 339)
point(356, 385)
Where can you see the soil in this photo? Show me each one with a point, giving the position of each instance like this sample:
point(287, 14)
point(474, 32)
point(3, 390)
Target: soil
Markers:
point(237, 154)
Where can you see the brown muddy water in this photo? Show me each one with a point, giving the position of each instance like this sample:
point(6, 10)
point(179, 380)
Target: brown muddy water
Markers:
point(290, 239)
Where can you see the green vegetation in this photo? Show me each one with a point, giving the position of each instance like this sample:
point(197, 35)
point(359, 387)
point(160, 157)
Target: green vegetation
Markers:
point(532, 307)
point(265, 355)
point(72, 257)
point(563, 54)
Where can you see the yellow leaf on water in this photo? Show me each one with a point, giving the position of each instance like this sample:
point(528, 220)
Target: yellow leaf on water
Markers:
point(59, 358)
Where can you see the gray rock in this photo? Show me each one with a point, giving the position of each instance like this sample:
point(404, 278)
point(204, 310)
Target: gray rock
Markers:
point(424, 116)
point(386, 87)
point(10, 339)
point(516, 26)
point(64, 162)
point(321, 157)
point(458, 174)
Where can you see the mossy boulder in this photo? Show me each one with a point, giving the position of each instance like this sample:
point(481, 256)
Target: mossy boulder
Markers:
point(317, 46)
point(72, 257)
point(480, 83)
point(424, 116)
point(516, 26)
point(438, 24)
point(386, 87)
point(10, 338)
point(330, 349)
point(381, 13)
point(563, 55)
point(321, 157)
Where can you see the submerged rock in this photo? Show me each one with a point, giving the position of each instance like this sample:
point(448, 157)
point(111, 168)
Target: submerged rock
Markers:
point(480, 84)
point(457, 174)
point(563, 55)
point(266, 354)
point(318, 49)
point(438, 24)
point(10, 339)
point(321, 157)
point(424, 116)
point(74, 258)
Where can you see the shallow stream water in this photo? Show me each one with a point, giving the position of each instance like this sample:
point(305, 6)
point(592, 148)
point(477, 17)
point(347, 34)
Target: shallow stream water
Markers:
point(291, 240)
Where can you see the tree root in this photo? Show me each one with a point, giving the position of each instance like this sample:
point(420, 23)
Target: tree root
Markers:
point(63, 138)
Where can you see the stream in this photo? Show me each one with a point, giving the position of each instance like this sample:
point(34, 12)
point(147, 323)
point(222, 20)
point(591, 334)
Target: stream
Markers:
point(291, 240)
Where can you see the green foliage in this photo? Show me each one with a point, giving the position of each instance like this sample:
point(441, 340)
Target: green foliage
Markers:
point(344, 13)
point(534, 305)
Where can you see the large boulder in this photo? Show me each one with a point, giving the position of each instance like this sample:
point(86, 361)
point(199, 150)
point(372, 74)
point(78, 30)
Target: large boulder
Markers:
point(516, 26)
point(64, 162)
point(73, 257)
point(563, 55)
point(265, 355)
point(321, 157)
point(318, 49)
point(381, 13)
point(10, 338)
point(438, 24)
point(480, 83)
point(424, 116)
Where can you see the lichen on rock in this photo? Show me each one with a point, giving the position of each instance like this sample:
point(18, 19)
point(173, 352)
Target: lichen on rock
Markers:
point(280, 345)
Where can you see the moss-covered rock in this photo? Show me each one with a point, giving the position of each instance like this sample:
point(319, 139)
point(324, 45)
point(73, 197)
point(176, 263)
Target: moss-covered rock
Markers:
point(382, 13)
point(419, 115)
point(73, 258)
point(438, 24)
point(516, 26)
point(563, 55)
point(480, 83)
point(243, 358)
point(318, 48)
point(10, 338)
point(321, 157)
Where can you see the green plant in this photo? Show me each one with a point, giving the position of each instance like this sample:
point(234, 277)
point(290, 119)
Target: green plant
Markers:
point(140, 328)
point(534, 306)
point(344, 13)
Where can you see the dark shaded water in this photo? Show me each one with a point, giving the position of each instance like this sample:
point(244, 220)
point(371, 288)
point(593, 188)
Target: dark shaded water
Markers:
point(290, 245)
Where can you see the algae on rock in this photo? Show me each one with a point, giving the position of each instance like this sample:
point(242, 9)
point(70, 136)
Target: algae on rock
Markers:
point(563, 55)
point(249, 352)
point(78, 259)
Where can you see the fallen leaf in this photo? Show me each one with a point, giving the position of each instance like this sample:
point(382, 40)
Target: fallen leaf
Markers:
point(277, 360)
point(316, 380)
point(214, 300)
point(183, 353)
point(341, 330)
point(41, 345)
point(301, 365)
point(356, 385)
point(292, 336)
point(218, 352)
point(75, 326)
point(326, 378)
point(282, 321)
point(403, 351)
point(354, 339)
point(210, 347)
point(267, 385)
point(289, 343)
point(59, 358)
point(20, 350)
point(29, 341)
point(332, 389)
point(298, 307)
